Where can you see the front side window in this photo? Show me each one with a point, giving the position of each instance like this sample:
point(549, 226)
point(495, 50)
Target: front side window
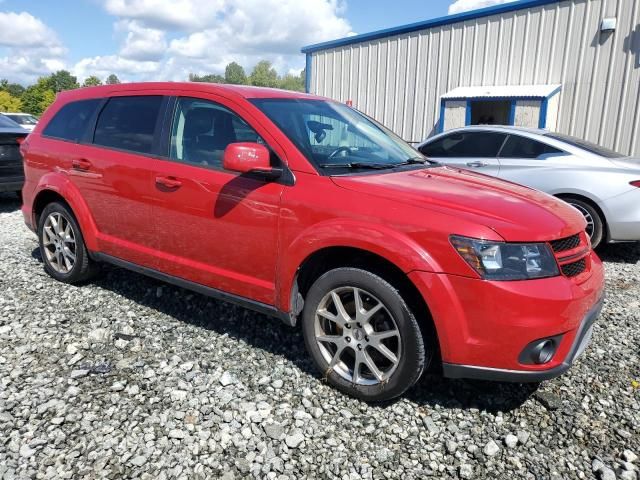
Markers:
point(466, 145)
point(202, 130)
point(72, 120)
point(128, 123)
point(332, 135)
point(523, 147)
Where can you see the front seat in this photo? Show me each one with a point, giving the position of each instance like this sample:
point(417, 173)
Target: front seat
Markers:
point(198, 123)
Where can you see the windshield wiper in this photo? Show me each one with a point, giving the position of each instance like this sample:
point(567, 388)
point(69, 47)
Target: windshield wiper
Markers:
point(372, 166)
point(418, 161)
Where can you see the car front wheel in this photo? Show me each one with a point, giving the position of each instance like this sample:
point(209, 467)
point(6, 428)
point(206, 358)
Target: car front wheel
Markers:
point(362, 336)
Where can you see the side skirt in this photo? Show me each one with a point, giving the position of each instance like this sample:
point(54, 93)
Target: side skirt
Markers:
point(196, 287)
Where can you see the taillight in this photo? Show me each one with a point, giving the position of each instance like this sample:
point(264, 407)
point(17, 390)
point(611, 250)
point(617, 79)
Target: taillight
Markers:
point(635, 183)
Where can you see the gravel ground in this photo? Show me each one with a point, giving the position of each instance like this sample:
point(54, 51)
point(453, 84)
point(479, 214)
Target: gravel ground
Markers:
point(129, 377)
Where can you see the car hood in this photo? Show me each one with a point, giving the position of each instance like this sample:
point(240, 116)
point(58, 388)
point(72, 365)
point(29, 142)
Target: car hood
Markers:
point(517, 213)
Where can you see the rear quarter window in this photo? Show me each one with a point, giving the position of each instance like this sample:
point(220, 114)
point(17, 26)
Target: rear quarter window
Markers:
point(72, 120)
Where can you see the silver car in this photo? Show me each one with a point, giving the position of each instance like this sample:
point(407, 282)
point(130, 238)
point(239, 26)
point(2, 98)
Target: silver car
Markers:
point(602, 184)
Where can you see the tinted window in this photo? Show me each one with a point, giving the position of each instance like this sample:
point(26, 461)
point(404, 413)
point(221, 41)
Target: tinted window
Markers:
point(588, 146)
point(72, 120)
point(466, 144)
point(522, 147)
point(7, 122)
point(128, 123)
point(202, 130)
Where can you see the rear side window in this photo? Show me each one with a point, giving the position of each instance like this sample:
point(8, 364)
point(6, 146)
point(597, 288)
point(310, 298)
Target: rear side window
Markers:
point(128, 123)
point(72, 120)
point(466, 145)
point(522, 147)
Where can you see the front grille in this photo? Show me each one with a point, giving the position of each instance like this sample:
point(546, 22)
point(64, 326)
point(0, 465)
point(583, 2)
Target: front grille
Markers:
point(575, 268)
point(564, 244)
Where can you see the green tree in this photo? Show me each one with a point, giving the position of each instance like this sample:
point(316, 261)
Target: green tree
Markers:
point(37, 97)
point(113, 79)
point(92, 81)
point(62, 80)
point(211, 78)
point(291, 82)
point(9, 103)
point(264, 75)
point(234, 74)
point(14, 89)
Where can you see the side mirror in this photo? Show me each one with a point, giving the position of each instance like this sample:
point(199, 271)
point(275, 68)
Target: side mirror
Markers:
point(253, 158)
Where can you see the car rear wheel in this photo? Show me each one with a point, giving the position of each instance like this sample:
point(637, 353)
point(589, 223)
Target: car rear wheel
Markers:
point(62, 246)
point(362, 336)
point(595, 224)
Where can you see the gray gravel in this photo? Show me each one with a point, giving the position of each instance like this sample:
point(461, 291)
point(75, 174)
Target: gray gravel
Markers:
point(128, 377)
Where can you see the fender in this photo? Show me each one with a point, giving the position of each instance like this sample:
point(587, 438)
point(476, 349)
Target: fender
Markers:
point(387, 243)
point(59, 183)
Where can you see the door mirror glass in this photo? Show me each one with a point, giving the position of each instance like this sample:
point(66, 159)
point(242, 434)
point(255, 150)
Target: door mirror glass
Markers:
point(248, 157)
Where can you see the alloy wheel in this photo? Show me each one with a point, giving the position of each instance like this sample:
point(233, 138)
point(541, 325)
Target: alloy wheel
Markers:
point(587, 216)
point(357, 336)
point(59, 241)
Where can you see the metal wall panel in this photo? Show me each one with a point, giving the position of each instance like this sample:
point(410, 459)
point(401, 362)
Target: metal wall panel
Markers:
point(399, 79)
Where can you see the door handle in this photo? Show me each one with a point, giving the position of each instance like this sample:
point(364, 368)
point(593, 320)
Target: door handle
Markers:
point(476, 164)
point(168, 182)
point(81, 164)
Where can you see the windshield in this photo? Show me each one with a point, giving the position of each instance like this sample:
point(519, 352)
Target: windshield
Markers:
point(23, 119)
point(585, 145)
point(332, 135)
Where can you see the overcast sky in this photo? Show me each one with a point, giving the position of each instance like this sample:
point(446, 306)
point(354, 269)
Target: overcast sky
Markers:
point(168, 39)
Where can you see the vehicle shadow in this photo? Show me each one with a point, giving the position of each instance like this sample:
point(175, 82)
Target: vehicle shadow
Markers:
point(9, 202)
point(271, 335)
point(620, 252)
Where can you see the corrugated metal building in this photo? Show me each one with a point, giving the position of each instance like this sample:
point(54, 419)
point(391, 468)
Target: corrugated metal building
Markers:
point(566, 65)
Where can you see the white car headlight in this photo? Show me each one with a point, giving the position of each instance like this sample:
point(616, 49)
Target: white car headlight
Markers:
point(506, 261)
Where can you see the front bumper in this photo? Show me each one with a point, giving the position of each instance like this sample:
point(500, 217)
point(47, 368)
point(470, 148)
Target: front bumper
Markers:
point(484, 326)
point(582, 339)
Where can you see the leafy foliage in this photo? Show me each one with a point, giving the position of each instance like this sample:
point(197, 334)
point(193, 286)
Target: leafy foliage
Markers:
point(264, 75)
point(92, 81)
point(234, 74)
point(213, 78)
point(9, 103)
point(14, 89)
point(112, 79)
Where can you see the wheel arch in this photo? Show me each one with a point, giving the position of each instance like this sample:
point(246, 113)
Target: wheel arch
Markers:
point(328, 258)
point(54, 188)
point(593, 203)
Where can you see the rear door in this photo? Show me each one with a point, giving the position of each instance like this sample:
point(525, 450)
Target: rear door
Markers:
point(528, 161)
point(474, 150)
point(111, 166)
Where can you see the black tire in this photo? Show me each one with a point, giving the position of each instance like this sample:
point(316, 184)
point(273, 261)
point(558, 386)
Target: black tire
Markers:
point(83, 267)
point(412, 359)
point(595, 229)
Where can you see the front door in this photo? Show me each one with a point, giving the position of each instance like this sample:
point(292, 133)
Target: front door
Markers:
point(214, 227)
point(473, 150)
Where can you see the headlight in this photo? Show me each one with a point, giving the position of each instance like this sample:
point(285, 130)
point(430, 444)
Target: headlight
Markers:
point(506, 261)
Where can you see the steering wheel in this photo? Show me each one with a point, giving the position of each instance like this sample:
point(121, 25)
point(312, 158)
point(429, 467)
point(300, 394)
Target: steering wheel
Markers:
point(337, 151)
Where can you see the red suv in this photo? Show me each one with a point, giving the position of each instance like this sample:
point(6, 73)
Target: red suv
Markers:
point(303, 208)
